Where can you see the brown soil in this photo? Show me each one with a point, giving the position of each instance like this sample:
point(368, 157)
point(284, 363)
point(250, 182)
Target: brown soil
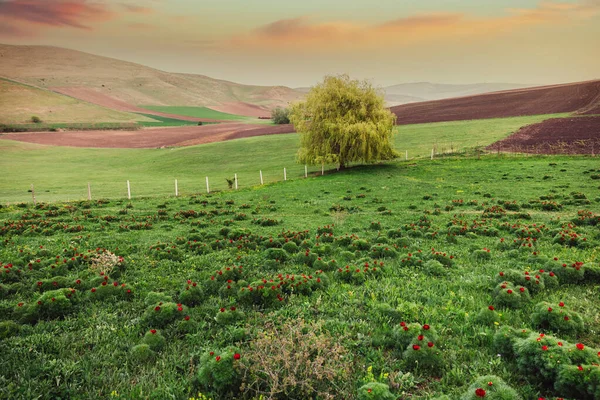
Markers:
point(245, 109)
point(95, 97)
point(582, 97)
point(150, 138)
point(576, 135)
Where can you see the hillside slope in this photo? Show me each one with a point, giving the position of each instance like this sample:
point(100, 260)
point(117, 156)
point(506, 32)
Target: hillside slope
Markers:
point(89, 77)
point(18, 103)
point(579, 97)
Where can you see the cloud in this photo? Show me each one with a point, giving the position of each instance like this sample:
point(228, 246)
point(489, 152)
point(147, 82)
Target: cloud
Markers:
point(133, 8)
point(314, 35)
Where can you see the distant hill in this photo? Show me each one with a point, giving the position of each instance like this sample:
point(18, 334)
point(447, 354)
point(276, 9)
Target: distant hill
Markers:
point(423, 91)
point(18, 103)
point(107, 81)
point(579, 97)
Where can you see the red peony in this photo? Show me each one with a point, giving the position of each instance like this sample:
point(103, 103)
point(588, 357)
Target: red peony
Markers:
point(430, 344)
point(153, 331)
point(426, 327)
point(218, 358)
point(157, 308)
point(580, 346)
point(236, 356)
point(491, 308)
point(480, 392)
point(561, 304)
point(416, 347)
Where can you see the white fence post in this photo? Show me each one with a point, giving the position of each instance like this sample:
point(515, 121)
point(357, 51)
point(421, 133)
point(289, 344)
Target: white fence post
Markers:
point(33, 195)
point(432, 154)
point(261, 178)
point(284, 174)
point(128, 191)
point(322, 168)
point(406, 155)
point(207, 187)
point(305, 171)
point(89, 192)
point(235, 179)
point(176, 189)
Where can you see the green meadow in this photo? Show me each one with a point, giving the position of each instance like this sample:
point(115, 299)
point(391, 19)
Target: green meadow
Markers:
point(204, 112)
point(62, 173)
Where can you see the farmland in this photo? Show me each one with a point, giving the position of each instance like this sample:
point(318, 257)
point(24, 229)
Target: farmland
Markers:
point(62, 173)
point(396, 274)
point(204, 112)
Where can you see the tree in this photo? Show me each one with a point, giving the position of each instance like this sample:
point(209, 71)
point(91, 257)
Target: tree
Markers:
point(280, 115)
point(341, 121)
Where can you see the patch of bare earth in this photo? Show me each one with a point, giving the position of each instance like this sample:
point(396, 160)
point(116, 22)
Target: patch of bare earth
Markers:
point(575, 135)
point(582, 97)
point(151, 137)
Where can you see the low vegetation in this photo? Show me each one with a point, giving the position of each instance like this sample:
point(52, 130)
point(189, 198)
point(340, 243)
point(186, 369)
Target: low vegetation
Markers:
point(458, 278)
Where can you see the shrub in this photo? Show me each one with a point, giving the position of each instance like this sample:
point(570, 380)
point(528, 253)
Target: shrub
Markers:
point(219, 370)
point(303, 361)
point(490, 387)
point(488, 316)
point(509, 295)
point(280, 115)
point(556, 317)
point(424, 352)
point(35, 119)
point(375, 391)
point(162, 314)
point(579, 381)
point(226, 316)
point(8, 329)
point(142, 352)
point(191, 295)
point(155, 340)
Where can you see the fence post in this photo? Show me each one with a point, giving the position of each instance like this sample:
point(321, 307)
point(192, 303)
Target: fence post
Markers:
point(261, 178)
point(322, 168)
point(284, 174)
point(432, 154)
point(306, 170)
point(235, 179)
point(128, 191)
point(89, 192)
point(33, 195)
point(207, 187)
point(176, 189)
point(406, 155)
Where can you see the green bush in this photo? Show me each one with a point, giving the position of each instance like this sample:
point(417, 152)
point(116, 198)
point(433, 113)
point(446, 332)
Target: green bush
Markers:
point(142, 353)
point(557, 318)
point(8, 329)
point(509, 295)
point(192, 294)
point(488, 316)
point(35, 119)
point(162, 314)
point(579, 381)
point(280, 115)
point(423, 352)
point(218, 371)
point(490, 387)
point(375, 391)
point(227, 316)
point(155, 340)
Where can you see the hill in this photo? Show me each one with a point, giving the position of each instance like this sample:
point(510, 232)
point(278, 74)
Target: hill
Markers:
point(106, 81)
point(20, 102)
point(579, 97)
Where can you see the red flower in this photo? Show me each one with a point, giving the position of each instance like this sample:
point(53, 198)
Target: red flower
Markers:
point(579, 367)
point(20, 304)
point(521, 289)
point(236, 356)
point(153, 331)
point(491, 308)
point(580, 346)
point(560, 344)
point(222, 309)
point(212, 353)
point(93, 290)
point(509, 292)
point(480, 392)
point(566, 318)
point(402, 323)
point(187, 318)
point(549, 309)
point(157, 308)
point(430, 344)
point(232, 308)
point(39, 303)
point(218, 358)
point(420, 337)
point(490, 383)
point(426, 327)
point(179, 308)
point(545, 348)
point(416, 347)
point(561, 304)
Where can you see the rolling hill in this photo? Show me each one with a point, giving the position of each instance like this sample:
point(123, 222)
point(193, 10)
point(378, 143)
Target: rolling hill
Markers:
point(115, 83)
point(579, 97)
point(18, 103)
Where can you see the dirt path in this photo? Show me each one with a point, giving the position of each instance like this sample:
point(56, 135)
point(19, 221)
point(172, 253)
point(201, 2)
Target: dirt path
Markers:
point(151, 137)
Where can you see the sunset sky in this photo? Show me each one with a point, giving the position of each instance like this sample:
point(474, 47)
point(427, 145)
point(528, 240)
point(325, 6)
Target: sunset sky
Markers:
point(296, 43)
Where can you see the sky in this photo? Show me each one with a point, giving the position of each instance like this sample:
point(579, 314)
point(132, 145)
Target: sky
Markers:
point(297, 43)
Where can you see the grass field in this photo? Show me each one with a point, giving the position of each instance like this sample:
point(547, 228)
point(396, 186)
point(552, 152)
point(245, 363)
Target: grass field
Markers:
point(204, 112)
point(436, 236)
point(20, 102)
point(62, 173)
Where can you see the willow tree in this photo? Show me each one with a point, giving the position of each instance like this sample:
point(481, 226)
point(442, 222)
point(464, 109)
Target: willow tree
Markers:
point(343, 121)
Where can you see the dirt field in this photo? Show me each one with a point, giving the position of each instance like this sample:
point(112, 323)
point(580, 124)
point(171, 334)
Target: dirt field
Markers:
point(578, 135)
point(150, 138)
point(95, 97)
point(583, 98)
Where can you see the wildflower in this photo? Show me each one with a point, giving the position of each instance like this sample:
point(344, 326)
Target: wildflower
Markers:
point(420, 337)
point(153, 331)
point(580, 346)
point(480, 392)
point(157, 308)
point(218, 358)
point(566, 318)
point(236, 356)
point(416, 347)
point(430, 344)
point(491, 308)
point(561, 304)
point(212, 353)
point(187, 317)
point(426, 327)
point(545, 348)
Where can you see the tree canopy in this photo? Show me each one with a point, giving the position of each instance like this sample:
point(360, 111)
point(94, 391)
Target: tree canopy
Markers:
point(342, 121)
